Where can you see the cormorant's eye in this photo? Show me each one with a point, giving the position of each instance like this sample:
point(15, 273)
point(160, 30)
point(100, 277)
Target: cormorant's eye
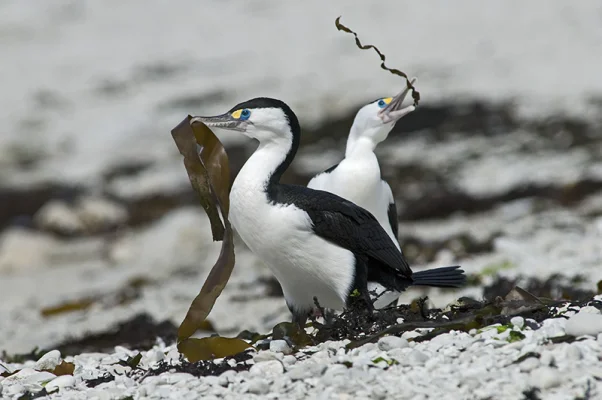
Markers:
point(382, 103)
point(241, 114)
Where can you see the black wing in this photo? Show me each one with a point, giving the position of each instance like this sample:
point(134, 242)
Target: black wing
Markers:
point(344, 223)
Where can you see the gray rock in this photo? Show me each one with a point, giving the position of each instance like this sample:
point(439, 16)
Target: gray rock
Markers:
point(280, 346)
point(584, 323)
point(387, 343)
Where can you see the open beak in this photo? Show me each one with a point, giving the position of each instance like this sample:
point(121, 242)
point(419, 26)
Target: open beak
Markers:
point(393, 111)
point(224, 121)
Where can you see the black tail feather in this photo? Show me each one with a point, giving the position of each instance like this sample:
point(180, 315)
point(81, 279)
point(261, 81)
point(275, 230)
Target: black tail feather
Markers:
point(440, 277)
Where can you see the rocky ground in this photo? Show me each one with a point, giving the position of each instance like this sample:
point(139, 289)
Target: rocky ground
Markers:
point(103, 246)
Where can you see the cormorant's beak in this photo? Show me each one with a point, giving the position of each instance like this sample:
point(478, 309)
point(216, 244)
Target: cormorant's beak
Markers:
point(224, 121)
point(393, 111)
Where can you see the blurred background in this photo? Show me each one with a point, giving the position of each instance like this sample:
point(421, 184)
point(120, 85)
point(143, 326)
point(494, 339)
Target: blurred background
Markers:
point(499, 169)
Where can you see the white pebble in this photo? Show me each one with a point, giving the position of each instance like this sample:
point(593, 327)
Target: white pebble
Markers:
point(267, 368)
point(300, 372)
point(387, 343)
point(545, 378)
point(573, 352)
point(258, 386)
point(417, 357)
point(590, 310)
point(519, 322)
point(529, 364)
point(49, 360)
point(547, 358)
point(263, 356)
point(280, 346)
point(289, 360)
point(154, 356)
point(584, 323)
point(60, 382)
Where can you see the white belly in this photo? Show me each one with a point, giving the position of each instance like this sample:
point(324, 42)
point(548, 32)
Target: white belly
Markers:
point(281, 236)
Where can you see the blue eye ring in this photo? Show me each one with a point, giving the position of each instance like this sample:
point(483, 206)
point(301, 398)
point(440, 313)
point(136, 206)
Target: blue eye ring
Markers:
point(381, 103)
point(245, 114)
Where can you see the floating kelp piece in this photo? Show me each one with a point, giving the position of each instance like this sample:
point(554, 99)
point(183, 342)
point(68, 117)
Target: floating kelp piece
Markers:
point(415, 94)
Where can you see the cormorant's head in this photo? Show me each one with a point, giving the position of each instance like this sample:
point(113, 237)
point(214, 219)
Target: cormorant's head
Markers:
point(375, 120)
point(262, 118)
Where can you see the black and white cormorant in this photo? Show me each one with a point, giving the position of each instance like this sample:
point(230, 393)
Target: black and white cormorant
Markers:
point(316, 243)
point(357, 177)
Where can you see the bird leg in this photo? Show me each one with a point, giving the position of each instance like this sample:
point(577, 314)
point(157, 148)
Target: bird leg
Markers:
point(300, 318)
point(361, 284)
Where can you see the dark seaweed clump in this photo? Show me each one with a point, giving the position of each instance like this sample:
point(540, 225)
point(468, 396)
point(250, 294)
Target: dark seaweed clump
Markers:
point(140, 332)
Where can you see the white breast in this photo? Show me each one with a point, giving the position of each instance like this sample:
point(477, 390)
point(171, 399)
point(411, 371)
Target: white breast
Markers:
point(281, 236)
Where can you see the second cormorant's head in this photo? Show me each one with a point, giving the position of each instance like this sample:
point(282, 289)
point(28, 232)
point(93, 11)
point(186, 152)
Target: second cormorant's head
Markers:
point(375, 120)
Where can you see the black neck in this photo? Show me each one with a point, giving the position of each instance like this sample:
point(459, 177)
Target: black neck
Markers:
point(296, 134)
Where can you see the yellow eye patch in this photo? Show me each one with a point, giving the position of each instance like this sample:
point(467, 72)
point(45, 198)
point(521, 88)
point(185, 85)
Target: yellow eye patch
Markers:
point(236, 114)
point(387, 99)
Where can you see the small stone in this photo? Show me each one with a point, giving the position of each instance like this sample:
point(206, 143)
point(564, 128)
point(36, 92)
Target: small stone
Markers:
point(417, 357)
point(49, 361)
point(410, 335)
point(57, 216)
point(545, 378)
point(264, 356)
point(519, 322)
point(280, 346)
point(289, 360)
point(387, 343)
point(154, 356)
point(547, 358)
point(590, 310)
point(584, 323)
point(22, 248)
point(573, 352)
point(300, 372)
point(267, 368)
point(60, 382)
point(15, 389)
point(529, 364)
point(98, 214)
point(258, 386)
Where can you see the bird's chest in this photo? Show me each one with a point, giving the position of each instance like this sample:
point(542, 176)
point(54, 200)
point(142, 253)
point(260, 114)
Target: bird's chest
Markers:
point(265, 226)
point(358, 181)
